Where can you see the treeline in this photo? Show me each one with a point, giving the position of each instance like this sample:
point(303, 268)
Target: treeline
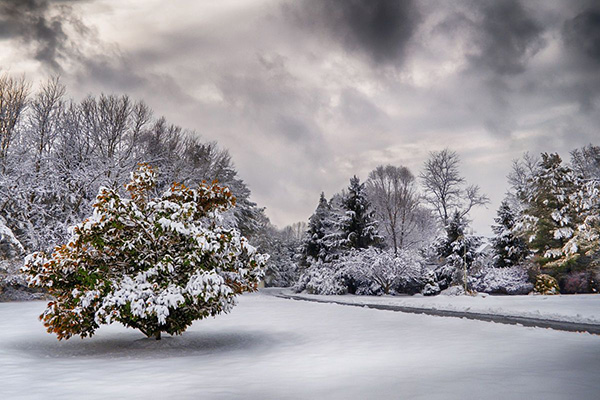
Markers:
point(393, 233)
point(396, 233)
point(55, 153)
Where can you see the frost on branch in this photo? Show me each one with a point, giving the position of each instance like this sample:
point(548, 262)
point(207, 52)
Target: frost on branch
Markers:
point(154, 264)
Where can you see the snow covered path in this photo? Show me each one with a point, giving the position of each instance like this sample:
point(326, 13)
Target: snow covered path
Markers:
point(271, 348)
point(572, 313)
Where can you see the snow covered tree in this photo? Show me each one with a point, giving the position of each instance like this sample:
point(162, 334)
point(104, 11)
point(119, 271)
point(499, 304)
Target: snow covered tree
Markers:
point(316, 245)
point(153, 264)
point(550, 215)
point(358, 228)
point(509, 247)
point(393, 194)
point(457, 250)
point(13, 101)
point(282, 246)
point(586, 162)
point(559, 211)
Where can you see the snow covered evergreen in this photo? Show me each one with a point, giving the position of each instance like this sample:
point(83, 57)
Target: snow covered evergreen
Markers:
point(358, 226)
point(510, 248)
point(153, 264)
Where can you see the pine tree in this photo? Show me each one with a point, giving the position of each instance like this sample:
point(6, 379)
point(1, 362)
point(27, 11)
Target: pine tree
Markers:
point(509, 247)
point(319, 226)
point(153, 264)
point(357, 226)
point(550, 215)
point(457, 249)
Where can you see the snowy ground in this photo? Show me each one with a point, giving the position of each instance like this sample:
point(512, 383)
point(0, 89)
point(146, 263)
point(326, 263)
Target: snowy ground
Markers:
point(583, 308)
point(271, 348)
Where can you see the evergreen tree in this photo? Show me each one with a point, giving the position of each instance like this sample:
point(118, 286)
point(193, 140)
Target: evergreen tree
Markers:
point(358, 229)
point(457, 250)
point(320, 226)
point(509, 247)
point(560, 219)
point(550, 213)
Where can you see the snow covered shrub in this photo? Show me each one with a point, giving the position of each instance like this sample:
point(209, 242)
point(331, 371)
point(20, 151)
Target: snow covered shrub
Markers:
point(431, 287)
point(454, 291)
point(545, 284)
point(369, 271)
point(502, 280)
point(322, 278)
point(398, 273)
point(153, 264)
point(372, 271)
point(281, 274)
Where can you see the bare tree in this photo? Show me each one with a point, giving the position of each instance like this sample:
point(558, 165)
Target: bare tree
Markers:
point(393, 193)
point(520, 179)
point(46, 108)
point(294, 232)
point(444, 187)
point(586, 162)
point(13, 100)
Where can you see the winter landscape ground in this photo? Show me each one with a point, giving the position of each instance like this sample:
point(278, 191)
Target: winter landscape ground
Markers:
point(272, 348)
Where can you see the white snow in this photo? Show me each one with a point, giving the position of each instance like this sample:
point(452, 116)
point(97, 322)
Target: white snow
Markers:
point(570, 308)
point(271, 348)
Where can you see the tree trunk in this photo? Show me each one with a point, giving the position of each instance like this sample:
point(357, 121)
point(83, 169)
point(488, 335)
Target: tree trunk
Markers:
point(157, 335)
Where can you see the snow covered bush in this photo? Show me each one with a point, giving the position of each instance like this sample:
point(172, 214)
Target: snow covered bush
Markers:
point(322, 278)
point(153, 264)
point(368, 271)
point(545, 284)
point(12, 285)
point(402, 272)
point(502, 280)
point(431, 287)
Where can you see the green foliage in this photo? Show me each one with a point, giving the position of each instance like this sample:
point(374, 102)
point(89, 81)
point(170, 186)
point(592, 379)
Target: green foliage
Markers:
point(551, 218)
point(562, 220)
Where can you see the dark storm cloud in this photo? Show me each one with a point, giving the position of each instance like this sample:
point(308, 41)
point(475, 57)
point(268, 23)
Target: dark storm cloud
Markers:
point(41, 25)
point(506, 36)
point(378, 28)
point(582, 33)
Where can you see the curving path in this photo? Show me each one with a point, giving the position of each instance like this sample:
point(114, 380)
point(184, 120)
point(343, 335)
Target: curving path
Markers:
point(498, 318)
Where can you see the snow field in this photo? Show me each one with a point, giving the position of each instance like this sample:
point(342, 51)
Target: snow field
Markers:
point(271, 348)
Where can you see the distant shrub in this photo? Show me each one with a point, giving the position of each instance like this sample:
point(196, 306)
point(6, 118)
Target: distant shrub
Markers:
point(321, 278)
point(365, 272)
point(508, 280)
point(431, 287)
point(577, 282)
point(545, 284)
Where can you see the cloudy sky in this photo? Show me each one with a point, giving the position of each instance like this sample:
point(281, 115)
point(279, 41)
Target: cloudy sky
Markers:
point(305, 94)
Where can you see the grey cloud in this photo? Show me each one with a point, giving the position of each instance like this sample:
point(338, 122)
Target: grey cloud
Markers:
point(582, 33)
point(380, 29)
point(40, 24)
point(507, 36)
